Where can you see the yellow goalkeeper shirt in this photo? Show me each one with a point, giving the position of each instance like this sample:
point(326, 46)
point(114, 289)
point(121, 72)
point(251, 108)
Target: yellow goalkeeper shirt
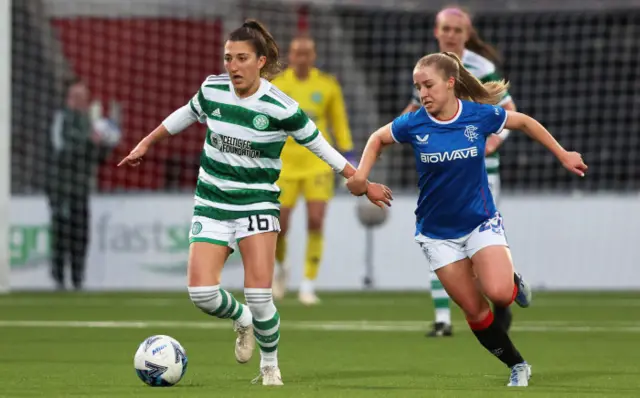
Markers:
point(320, 97)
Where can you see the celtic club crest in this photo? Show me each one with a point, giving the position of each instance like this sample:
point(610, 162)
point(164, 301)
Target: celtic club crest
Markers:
point(196, 228)
point(260, 122)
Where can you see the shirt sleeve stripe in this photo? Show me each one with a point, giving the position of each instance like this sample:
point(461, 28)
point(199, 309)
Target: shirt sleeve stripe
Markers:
point(506, 116)
point(393, 135)
point(193, 109)
point(309, 138)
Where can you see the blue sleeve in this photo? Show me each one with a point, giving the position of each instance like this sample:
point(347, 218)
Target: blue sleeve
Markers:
point(494, 118)
point(400, 129)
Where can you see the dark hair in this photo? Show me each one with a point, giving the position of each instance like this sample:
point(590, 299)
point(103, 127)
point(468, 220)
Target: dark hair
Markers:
point(263, 43)
point(467, 86)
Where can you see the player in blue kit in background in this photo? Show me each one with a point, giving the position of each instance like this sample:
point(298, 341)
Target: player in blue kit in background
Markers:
point(457, 224)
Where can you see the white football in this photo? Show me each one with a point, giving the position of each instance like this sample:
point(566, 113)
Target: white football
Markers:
point(160, 361)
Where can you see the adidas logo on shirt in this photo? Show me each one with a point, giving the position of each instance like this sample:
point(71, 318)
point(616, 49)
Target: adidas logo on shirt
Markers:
point(216, 113)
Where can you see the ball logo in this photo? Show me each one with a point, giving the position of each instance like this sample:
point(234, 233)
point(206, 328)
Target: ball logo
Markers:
point(149, 341)
point(260, 122)
point(196, 228)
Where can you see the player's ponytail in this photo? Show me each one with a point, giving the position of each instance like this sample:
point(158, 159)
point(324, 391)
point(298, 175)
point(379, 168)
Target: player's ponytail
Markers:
point(467, 86)
point(480, 47)
point(263, 43)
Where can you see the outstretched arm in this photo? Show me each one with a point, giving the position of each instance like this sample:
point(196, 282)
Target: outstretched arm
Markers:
point(379, 140)
point(173, 124)
point(382, 138)
point(377, 194)
point(305, 133)
point(322, 149)
point(572, 161)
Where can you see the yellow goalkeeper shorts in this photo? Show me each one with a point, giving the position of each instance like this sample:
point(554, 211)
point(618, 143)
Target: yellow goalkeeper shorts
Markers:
point(316, 187)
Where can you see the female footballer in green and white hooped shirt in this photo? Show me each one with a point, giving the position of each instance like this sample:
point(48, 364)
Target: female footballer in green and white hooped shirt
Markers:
point(236, 199)
point(455, 32)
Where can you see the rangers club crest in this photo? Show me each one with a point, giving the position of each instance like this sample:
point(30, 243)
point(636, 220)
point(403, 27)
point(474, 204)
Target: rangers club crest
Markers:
point(470, 133)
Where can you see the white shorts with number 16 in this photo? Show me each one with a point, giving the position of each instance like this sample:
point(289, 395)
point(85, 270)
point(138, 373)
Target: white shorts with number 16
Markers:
point(441, 252)
point(230, 232)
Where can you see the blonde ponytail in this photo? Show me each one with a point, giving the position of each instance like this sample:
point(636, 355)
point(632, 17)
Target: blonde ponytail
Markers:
point(467, 86)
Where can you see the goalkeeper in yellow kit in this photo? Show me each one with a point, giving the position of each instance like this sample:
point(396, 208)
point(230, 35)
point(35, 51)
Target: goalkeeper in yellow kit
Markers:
point(320, 97)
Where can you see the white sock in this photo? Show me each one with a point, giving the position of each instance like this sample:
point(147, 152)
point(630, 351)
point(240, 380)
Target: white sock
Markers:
point(307, 286)
point(219, 303)
point(246, 318)
point(441, 300)
point(266, 324)
point(443, 315)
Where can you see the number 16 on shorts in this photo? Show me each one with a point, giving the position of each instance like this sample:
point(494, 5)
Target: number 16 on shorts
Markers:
point(262, 223)
point(228, 232)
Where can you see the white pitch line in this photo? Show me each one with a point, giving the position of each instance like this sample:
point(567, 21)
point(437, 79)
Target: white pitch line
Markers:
point(102, 301)
point(336, 326)
point(88, 301)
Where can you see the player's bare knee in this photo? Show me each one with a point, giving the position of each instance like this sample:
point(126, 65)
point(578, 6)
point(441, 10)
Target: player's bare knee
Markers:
point(472, 306)
point(205, 264)
point(477, 312)
point(471, 301)
point(258, 275)
point(199, 274)
point(315, 223)
point(500, 294)
point(315, 215)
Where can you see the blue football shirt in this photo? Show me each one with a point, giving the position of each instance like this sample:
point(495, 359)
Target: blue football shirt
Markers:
point(454, 190)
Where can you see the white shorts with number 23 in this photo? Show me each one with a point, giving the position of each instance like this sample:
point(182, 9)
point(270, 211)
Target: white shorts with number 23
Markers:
point(441, 252)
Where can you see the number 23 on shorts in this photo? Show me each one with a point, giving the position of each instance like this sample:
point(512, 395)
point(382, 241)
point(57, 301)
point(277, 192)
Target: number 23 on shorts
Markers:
point(495, 224)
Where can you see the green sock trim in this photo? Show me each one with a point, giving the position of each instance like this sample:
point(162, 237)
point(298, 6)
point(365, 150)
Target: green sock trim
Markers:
point(266, 339)
point(436, 285)
point(269, 349)
point(268, 324)
point(221, 310)
point(441, 303)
